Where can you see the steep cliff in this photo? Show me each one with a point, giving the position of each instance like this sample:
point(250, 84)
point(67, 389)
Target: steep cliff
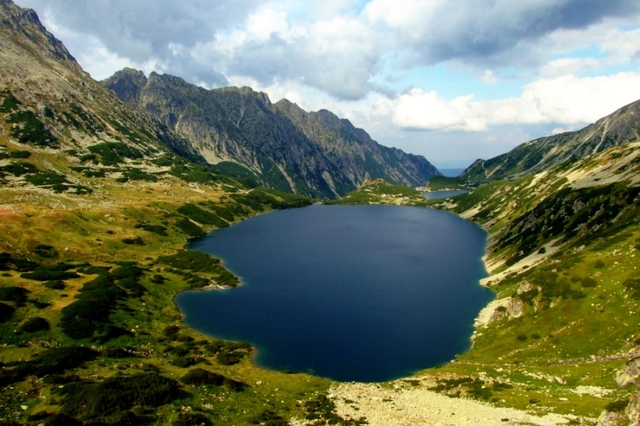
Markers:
point(280, 145)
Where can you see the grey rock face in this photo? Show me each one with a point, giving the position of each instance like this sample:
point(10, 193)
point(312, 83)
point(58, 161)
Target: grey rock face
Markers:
point(280, 145)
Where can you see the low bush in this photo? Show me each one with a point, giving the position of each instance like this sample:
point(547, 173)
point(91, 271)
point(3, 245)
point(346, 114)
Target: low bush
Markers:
point(192, 419)
point(191, 260)
point(20, 154)
point(18, 295)
point(189, 228)
point(35, 324)
point(196, 214)
point(156, 229)
point(112, 153)
point(134, 241)
point(6, 312)
point(29, 129)
point(46, 251)
point(617, 406)
point(55, 285)
point(229, 358)
point(100, 401)
point(53, 273)
point(184, 361)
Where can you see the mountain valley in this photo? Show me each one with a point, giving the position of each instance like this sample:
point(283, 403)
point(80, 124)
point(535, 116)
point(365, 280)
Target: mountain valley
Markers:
point(103, 183)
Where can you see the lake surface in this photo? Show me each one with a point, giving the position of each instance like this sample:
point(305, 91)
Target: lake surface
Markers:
point(444, 194)
point(353, 293)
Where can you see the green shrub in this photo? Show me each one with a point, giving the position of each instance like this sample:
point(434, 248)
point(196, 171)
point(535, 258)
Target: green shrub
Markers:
point(617, 406)
point(156, 229)
point(9, 103)
point(191, 260)
point(126, 271)
point(184, 361)
point(60, 419)
point(52, 273)
point(189, 228)
point(196, 214)
point(229, 358)
point(134, 241)
point(94, 173)
point(35, 324)
point(158, 279)
point(599, 264)
point(171, 331)
point(633, 285)
point(192, 419)
point(17, 295)
point(58, 360)
point(522, 337)
point(19, 169)
point(20, 154)
point(55, 285)
point(29, 129)
point(201, 377)
point(6, 312)
point(112, 153)
point(46, 251)
point(269, 418)
point(98, 401)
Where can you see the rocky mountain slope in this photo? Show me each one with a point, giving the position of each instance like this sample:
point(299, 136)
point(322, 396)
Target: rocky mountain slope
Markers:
point(279, 145)
point(617, 129)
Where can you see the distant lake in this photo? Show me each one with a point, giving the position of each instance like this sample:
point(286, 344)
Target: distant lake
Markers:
point(353, 293)
point(451, 172)
point(444, 194)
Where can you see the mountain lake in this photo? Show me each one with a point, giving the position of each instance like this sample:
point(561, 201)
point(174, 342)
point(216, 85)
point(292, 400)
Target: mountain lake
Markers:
point(352, 293)
point(444, 194)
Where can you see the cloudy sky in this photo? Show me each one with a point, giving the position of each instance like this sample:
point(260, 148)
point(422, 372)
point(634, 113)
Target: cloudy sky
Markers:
point(453, 80)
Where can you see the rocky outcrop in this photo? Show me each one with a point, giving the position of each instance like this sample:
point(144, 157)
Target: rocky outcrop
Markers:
point(515, 307)
point(617, 414)
point(629, 374)
point(278, 145)
point(127, 84)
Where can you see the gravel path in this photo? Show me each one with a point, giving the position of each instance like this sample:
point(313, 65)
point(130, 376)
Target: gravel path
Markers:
point(416, 406)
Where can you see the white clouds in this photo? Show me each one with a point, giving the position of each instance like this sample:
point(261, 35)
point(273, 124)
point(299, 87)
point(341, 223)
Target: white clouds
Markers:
point(525, 62)
point(566, 66)
point(425, 111)
point(567, 99)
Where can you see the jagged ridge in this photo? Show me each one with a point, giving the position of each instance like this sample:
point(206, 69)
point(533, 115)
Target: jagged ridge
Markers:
point(283, 146)
point(537, 155)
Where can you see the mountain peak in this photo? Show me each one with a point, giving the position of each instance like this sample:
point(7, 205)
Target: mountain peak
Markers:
point(127, 84)
point(25, 24)
point(280, 145)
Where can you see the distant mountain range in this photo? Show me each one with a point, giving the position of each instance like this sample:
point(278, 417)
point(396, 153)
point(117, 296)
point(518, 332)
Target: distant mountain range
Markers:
point(241, 132)
point(619, 128)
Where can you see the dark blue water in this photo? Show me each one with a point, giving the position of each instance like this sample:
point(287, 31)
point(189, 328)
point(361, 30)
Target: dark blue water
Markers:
point(362, 293)
point(444, 194)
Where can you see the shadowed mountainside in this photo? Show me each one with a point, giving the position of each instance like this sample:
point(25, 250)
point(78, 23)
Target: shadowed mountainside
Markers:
point(279, 145)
